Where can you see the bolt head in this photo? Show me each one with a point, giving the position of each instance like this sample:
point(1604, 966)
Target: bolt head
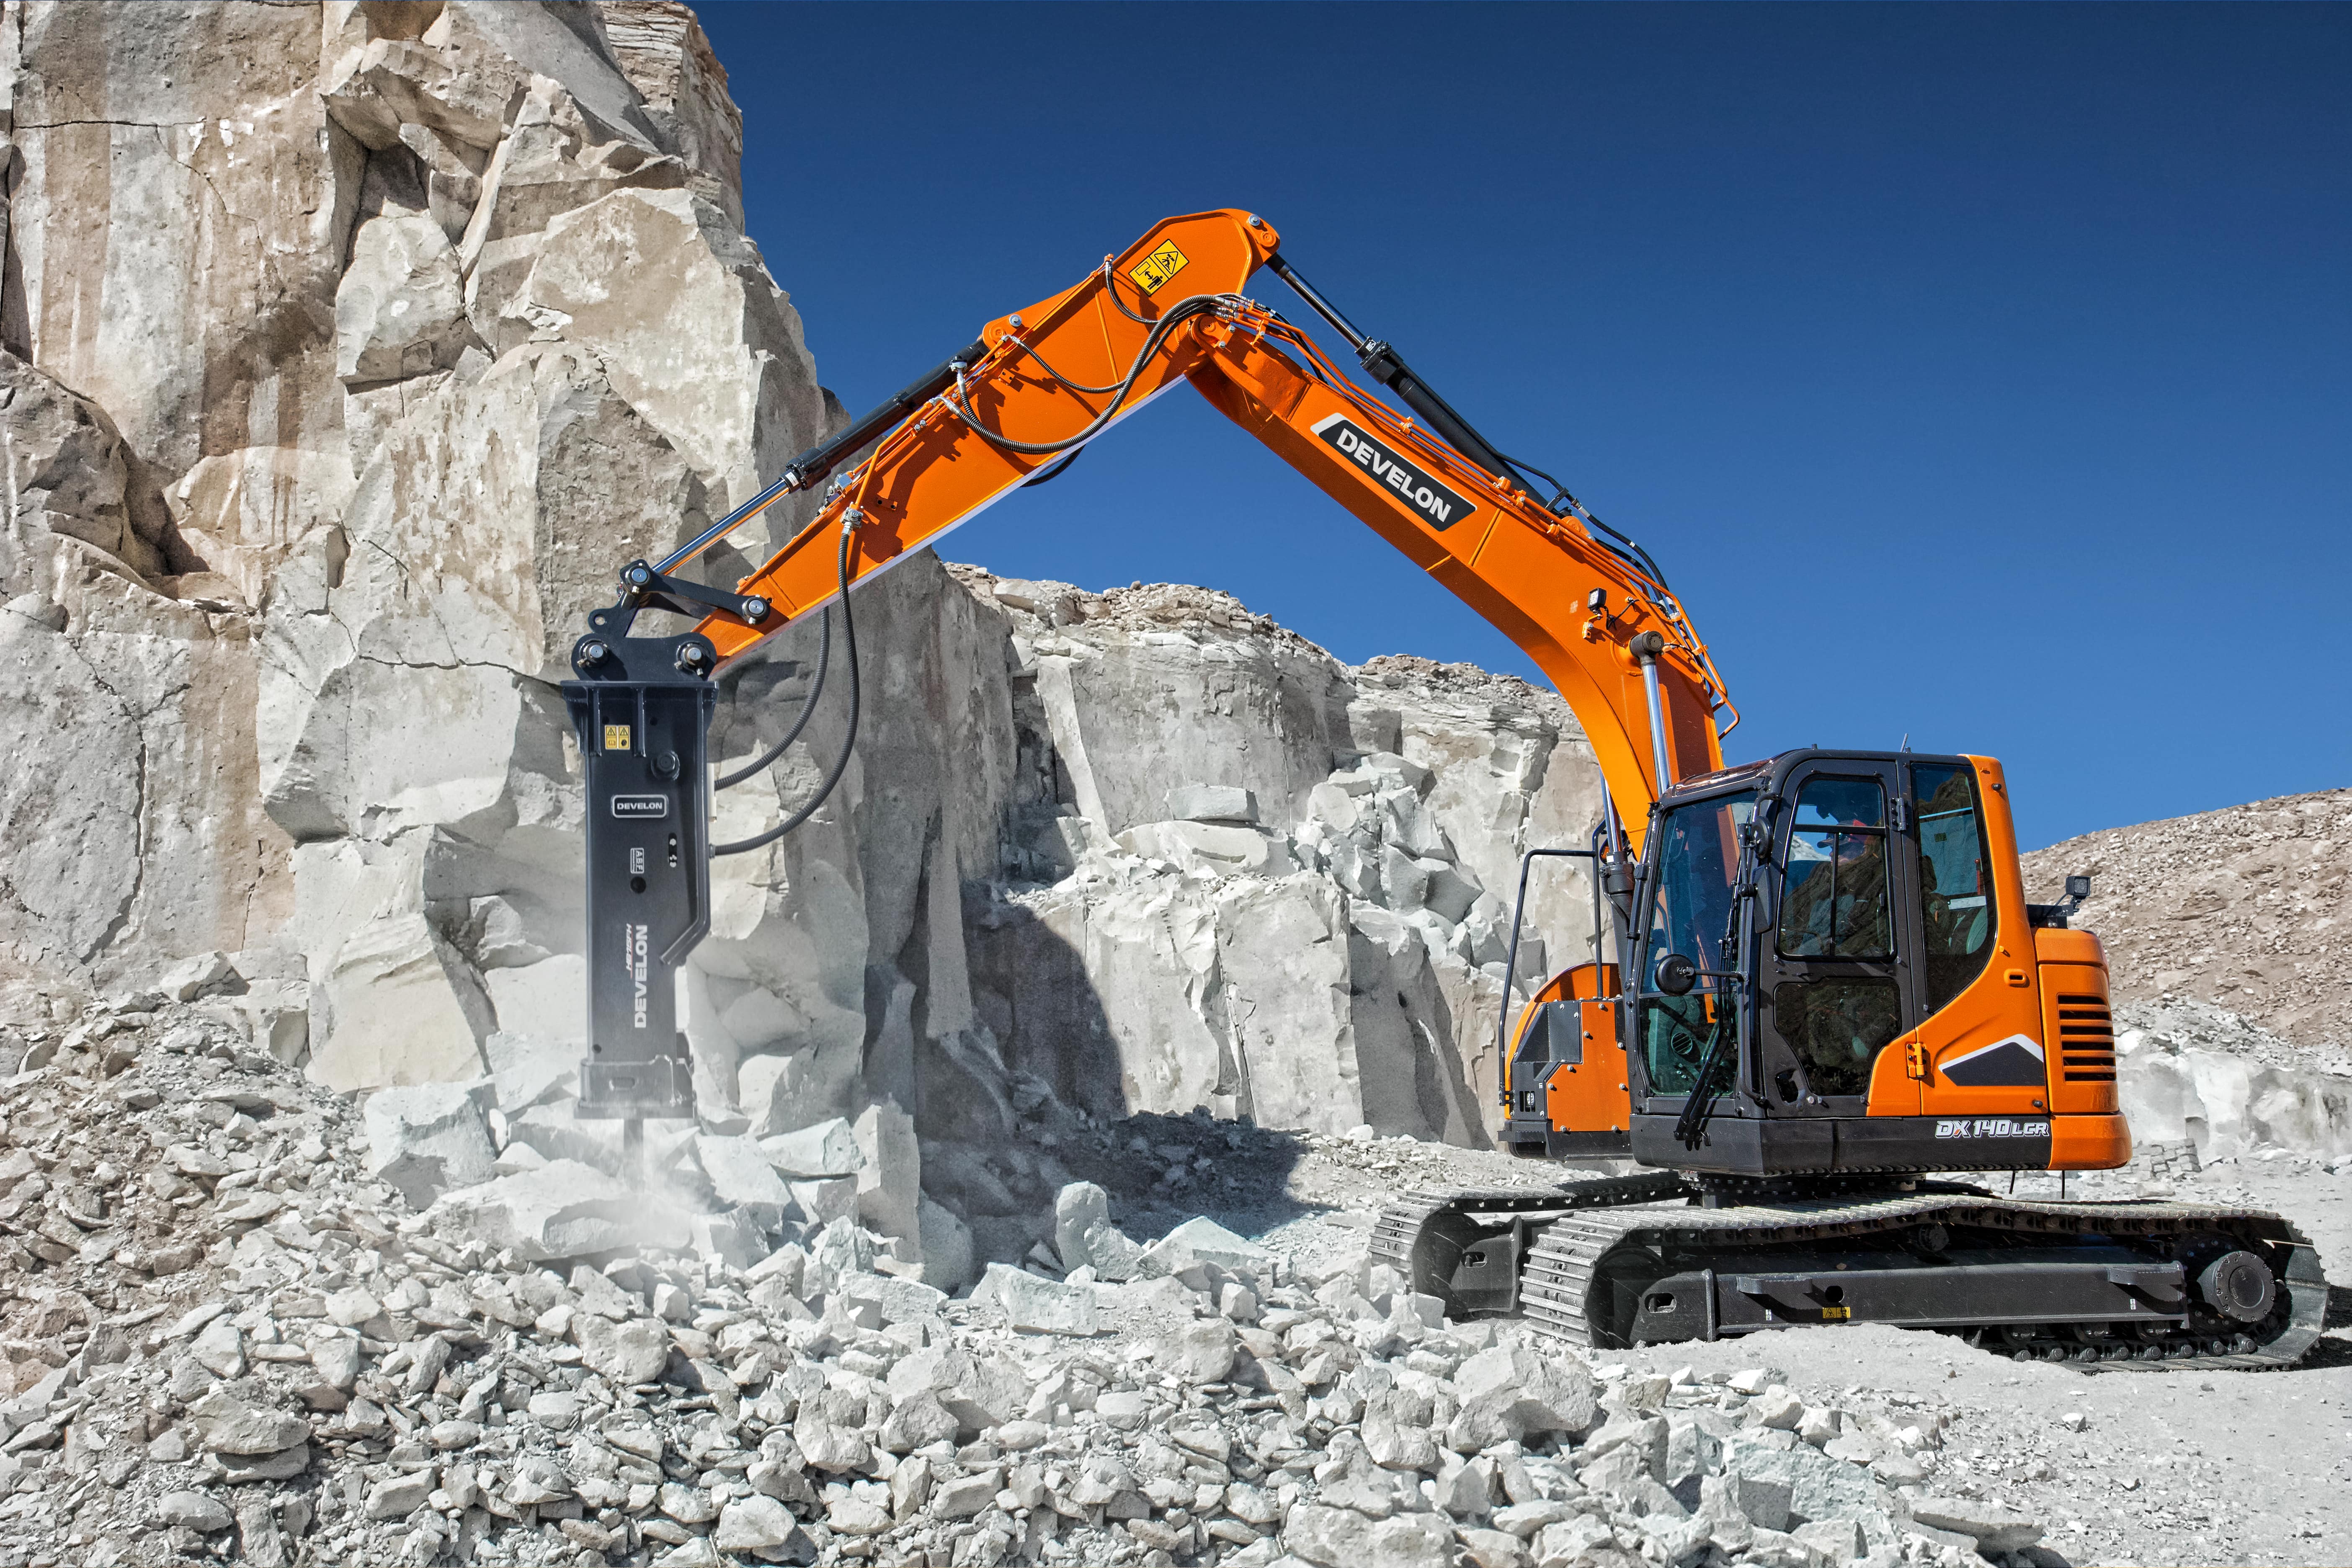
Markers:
point(639, 575)
point(593, 652)
point(693, 656)
point(755, 609)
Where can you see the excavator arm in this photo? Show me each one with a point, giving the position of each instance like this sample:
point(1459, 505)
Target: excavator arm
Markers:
point(1053, 376)
point(1594, 615)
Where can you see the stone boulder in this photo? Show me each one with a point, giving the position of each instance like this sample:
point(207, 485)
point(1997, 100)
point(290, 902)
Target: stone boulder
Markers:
point(424, 1140)
point(1036, 1306)
point(564, 1209)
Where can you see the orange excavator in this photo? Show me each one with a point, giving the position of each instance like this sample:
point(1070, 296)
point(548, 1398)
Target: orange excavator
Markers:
point(1823, 982)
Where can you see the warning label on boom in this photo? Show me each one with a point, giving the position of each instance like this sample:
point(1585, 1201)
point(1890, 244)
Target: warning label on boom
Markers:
point(1155, 268)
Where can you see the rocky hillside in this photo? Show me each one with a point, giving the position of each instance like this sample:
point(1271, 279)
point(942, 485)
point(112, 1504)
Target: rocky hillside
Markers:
point(2247, 908)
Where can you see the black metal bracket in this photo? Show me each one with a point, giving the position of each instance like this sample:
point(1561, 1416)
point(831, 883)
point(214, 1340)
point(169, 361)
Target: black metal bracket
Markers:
point(644, 586)
point(1511, 961)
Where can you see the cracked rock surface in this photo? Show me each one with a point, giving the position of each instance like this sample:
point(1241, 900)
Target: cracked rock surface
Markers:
point(305, 520)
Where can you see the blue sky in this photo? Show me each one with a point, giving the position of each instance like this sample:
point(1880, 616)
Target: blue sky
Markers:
point(1983, 374)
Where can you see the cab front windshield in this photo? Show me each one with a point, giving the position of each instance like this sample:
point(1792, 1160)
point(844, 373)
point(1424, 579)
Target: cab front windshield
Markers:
point(1697, 851)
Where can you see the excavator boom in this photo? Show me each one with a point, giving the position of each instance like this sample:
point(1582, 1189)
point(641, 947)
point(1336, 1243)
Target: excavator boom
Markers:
point(1045, 380)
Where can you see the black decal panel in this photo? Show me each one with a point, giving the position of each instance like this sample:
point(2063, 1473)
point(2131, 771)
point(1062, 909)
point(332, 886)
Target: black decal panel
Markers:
point(2013, 1063)
point(1415, 489)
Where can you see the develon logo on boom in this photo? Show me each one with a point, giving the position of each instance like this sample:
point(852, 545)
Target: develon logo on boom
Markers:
point(1436, 505)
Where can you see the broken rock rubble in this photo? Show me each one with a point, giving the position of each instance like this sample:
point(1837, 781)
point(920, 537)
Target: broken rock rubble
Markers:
point(334, 1375)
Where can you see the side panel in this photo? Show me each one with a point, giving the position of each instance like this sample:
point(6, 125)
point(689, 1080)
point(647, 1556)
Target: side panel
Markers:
point(2077, 1022)
point(1566, 1074)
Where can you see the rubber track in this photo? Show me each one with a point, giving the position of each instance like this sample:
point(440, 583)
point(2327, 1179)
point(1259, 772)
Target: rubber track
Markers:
point(1555, 1285)
point(1398, 1231)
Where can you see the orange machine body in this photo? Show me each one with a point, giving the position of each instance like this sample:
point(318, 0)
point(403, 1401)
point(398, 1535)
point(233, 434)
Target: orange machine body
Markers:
point(1567, 1064)
point(2043, 985)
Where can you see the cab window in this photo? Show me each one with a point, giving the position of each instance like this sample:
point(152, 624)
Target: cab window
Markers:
point(1957, 910)
point(1833, 901)
point(1690, 914)
point(1837, 1027)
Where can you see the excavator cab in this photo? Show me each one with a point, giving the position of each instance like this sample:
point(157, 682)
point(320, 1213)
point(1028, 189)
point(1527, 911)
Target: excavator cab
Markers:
point(1827, 964)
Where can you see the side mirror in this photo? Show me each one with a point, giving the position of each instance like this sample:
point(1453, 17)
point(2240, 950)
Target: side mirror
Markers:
point(2078, 887)
point(1676, 974)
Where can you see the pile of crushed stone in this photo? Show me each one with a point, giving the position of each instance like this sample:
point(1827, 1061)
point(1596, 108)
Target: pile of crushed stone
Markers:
point(230, 1335)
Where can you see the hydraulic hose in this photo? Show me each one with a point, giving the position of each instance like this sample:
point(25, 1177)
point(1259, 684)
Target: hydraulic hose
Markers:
point(850, 521)
point(1177, 313)
point(1063, 380)
point(766, 759)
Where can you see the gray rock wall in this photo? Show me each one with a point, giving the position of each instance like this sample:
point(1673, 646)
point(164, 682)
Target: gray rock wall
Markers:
point(345, 352)
point(1327, 948)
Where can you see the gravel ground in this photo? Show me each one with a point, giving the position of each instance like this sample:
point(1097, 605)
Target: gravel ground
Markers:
point(225, 1340)
point(2163, 1468)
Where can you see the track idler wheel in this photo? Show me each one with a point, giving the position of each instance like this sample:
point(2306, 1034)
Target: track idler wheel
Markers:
point(2239, 1286)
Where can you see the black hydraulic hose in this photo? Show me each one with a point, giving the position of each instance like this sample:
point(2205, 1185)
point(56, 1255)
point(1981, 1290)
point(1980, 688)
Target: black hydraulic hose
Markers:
point(1111, 289)
point(1051, 471)
point(1561, 493)
point(1177, 313)
point(848, 742)
point(1028, 349)
point(766, 759)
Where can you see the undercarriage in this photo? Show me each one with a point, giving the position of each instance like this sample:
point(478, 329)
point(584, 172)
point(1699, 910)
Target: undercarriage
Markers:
point(1663, 1256)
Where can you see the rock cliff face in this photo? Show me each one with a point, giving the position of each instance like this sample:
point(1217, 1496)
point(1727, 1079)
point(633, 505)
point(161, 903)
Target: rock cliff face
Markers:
point(348, 348)
point(345, 351)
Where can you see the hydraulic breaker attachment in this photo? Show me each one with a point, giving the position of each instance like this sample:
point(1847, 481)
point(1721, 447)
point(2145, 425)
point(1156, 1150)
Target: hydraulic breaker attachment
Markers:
point(642, 708)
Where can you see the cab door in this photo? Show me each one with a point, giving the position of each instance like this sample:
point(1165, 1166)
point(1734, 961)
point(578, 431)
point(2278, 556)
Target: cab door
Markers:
point(1979, 1049)
point(1837, 990)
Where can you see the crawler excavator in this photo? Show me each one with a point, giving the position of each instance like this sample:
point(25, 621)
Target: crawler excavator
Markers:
point(1823, 982)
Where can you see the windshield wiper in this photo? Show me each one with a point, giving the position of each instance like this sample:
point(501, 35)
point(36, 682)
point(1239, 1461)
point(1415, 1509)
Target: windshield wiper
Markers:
point(1690, 1126)
point(1698, 1107)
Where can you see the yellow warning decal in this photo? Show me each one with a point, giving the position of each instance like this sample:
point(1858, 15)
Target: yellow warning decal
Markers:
point(1836, 1314)
point(1158, 268)
point(616, 737)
